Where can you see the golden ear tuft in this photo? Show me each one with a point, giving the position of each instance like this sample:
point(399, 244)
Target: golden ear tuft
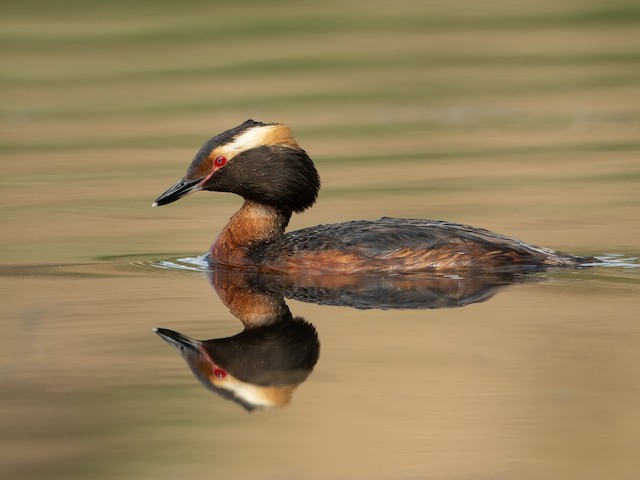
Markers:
point(280, 134)
point(272, 134)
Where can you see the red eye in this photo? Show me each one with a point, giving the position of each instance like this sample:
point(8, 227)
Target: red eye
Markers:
point(220, 161)
point(218, 372)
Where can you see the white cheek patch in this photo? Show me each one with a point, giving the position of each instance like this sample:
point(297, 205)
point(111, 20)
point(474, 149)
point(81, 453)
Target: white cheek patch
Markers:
point(252, 138)
point(260, 397)
point(256, 137)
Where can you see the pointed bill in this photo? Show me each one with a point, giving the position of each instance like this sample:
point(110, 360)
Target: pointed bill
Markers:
point(179, 190)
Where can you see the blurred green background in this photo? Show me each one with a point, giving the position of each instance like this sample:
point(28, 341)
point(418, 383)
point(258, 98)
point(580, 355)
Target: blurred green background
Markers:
point(104, 104)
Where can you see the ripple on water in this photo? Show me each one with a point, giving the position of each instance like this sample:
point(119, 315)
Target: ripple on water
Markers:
point(153, 262)
point(616, 260)
point(201, 264)
point(615, 269)
point(614, 265)
point(190, 264)
point(109, 266)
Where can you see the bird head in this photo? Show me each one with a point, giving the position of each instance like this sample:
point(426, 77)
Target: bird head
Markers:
point(259, 161)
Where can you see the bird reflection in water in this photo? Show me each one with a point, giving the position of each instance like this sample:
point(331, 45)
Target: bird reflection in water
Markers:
point(261, 366)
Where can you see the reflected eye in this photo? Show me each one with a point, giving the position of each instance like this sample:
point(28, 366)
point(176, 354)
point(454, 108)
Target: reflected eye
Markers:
point(218, 372)
point(220, 161)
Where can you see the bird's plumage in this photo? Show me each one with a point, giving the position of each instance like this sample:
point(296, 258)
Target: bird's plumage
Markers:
point(264, 164)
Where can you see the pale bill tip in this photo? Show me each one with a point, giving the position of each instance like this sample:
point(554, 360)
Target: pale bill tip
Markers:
point(154, 204)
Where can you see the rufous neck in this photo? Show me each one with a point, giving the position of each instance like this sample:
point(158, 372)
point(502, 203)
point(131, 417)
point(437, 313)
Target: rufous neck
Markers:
point(254, 223)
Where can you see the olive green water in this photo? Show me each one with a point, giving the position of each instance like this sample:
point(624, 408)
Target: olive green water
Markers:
point(521, 119)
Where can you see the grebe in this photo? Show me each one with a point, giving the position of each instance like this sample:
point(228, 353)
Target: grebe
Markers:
point(263, 365)
point(264, 164)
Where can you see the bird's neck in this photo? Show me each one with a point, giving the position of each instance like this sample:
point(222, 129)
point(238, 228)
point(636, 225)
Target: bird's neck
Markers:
point(252, 304)
point(253, 224)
